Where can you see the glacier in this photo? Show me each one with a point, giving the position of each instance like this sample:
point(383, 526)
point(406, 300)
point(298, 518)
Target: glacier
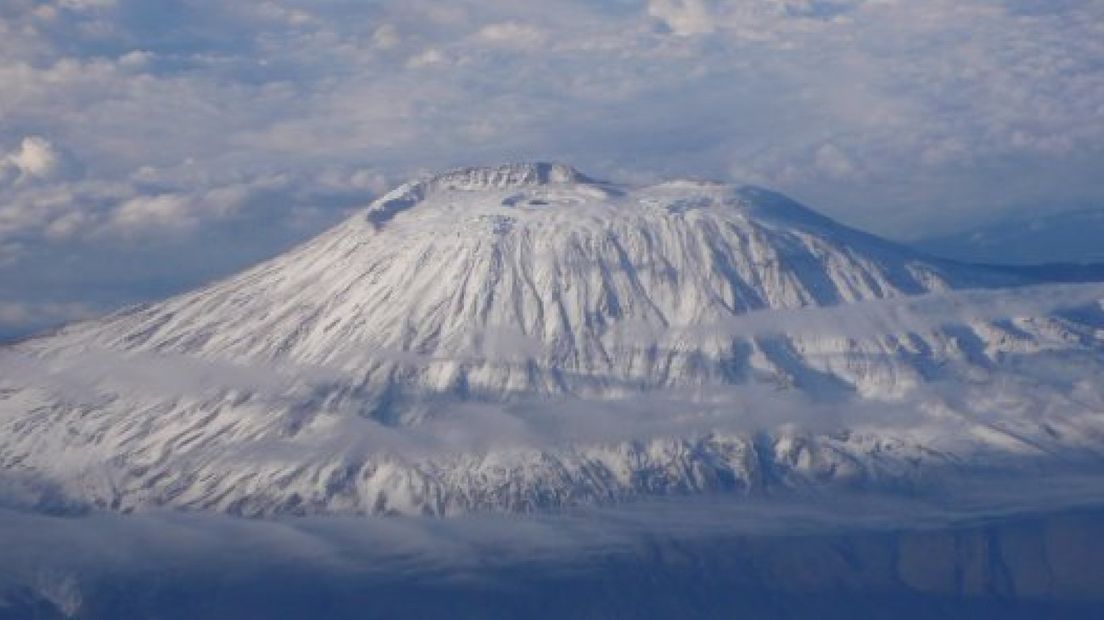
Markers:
point(524, 338)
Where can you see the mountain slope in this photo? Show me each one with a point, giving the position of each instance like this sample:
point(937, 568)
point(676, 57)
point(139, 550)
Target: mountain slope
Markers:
point(556, 263)
point(523, 337)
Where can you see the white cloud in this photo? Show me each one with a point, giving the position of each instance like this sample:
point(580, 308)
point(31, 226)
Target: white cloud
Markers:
point(135, 59)
point(386, 37)
point(512, 34)
point(831, 160)
point(276, 12)
point(171, 211)
point(84, 5)
point(35, 158)
point(426, 58)
point(683, 17)
point(19, 314)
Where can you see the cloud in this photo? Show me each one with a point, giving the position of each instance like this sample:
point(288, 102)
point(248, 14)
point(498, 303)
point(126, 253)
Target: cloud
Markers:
point(834, 162)
point(35, 158)
point(17, 317)
point(683, 17)
point(164, 210)
point(512, 34)
point(17, 312)
point(386, 37)
point(431, 56)
point(917, 313)
point(83, 5)
point(667, 552)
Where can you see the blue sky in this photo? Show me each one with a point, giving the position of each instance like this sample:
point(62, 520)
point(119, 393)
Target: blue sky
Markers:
point(148, 146)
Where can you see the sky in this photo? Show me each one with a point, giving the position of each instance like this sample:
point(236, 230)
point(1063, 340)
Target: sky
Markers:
point(146, 147)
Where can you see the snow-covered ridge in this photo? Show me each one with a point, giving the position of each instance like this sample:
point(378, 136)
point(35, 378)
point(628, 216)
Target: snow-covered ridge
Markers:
point(522, 337)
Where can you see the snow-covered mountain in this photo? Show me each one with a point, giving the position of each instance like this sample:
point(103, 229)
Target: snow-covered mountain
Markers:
point(524, 337)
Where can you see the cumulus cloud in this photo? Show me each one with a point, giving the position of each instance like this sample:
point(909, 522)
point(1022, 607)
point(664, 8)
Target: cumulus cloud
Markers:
point(36, 158)
point(431, 56)
point(512, 34)
point(164, 210)
point(683, 17)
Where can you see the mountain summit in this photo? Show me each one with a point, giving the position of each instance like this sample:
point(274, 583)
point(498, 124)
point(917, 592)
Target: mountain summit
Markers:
point(524, 337)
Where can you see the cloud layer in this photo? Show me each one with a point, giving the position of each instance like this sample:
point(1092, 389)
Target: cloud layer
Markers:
point(193, 136)
point(834, 557)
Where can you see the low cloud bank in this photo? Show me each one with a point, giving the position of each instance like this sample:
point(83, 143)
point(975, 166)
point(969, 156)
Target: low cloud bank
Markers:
point(172, 564)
